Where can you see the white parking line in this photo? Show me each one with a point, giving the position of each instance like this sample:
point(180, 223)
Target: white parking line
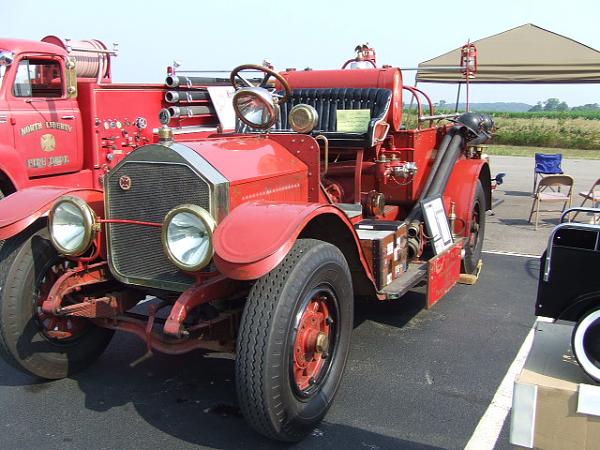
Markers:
point(499, 252)
point(488, 429)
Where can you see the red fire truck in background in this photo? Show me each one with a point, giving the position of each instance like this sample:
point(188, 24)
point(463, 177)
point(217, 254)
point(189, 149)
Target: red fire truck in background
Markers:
point(62, 120)
point(254, 242)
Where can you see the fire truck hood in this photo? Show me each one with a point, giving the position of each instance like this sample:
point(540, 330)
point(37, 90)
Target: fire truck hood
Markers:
point(247, 159)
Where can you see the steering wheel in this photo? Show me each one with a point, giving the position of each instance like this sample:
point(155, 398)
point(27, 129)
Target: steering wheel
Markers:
point(237, 76)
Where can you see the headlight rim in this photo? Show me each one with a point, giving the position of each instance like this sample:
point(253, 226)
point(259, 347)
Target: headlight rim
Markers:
point(89, 219)
point(266, 97)
point(210, 225)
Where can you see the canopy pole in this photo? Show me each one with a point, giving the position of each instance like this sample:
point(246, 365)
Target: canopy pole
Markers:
point(457, 97)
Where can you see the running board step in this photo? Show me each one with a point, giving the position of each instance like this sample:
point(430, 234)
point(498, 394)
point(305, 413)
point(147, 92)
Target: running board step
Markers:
point(397, 288)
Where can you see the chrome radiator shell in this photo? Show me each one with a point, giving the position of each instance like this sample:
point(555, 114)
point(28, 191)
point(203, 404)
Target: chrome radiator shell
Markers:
point(160, 177)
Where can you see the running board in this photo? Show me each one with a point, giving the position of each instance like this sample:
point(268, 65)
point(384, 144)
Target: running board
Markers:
point(400, 286)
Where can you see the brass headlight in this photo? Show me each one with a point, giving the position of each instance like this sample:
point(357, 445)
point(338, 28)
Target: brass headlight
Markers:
point(255, 107)
point(303, 118)
point(187, 237)
point(71, 225)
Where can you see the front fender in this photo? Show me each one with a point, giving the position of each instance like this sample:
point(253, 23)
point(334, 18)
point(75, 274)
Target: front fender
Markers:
point(462, 184)
point(12, 165)
point(255, 237)
point(22, 208)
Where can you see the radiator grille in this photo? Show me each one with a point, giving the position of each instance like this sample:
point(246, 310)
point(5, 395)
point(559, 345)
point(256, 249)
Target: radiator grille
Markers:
point(136, 251)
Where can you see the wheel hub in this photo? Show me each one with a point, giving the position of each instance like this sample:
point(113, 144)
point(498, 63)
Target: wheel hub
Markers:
point(311, 345)
point(51, 326)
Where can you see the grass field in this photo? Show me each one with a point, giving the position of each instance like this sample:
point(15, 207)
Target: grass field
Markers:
point(575, 133)
point(529, 151)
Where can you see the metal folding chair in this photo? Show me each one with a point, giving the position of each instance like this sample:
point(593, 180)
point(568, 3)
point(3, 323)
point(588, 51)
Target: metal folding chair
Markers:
point(543, 195)
point(546, 164)
point(593, 195)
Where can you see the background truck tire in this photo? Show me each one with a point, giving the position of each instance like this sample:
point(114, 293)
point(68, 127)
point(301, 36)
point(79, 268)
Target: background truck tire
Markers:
point(284, 384)
point(28, 262)
point(474, 242)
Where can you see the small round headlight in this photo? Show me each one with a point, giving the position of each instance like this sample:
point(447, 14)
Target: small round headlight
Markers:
point(255, 107)
point(187, 237)
point(303, 118)
point(71, 224)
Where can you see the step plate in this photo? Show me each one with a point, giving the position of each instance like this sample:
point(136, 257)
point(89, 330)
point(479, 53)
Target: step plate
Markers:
point(397, 288)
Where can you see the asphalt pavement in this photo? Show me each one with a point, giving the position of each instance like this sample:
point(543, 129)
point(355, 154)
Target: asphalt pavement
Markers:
point(416, 379)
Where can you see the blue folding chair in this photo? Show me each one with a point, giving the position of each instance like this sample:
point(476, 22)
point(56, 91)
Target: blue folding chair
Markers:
point(546, 164)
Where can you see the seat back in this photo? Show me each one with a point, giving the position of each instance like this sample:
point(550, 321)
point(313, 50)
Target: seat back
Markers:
point(592, 192)
point(548, 163)
point(556, 181)
point(327, 101)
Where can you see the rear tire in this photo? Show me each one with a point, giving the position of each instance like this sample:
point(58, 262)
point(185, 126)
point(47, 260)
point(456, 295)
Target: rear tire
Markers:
point(585, 342)
point(474, 241)
point(28, 263)
point(286, 380)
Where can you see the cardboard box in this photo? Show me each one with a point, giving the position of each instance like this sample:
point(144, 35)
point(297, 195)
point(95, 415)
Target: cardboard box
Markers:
point(378, 246)
point(555, 405)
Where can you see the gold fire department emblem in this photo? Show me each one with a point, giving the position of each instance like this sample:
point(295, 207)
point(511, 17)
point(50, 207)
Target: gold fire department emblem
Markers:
point(125, 183)
point(48, 142)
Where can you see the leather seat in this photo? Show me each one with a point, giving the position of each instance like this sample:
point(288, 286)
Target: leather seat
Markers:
point(327, 101)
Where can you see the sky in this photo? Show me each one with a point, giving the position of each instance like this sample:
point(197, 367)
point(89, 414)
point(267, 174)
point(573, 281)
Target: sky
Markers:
point(221, 34)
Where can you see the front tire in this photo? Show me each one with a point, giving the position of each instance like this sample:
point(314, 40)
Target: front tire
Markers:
point(293, 341)
point(585, 342)
point(38, 344)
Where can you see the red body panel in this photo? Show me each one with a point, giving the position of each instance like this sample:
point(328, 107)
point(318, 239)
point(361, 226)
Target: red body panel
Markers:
point(257, 169)
point(461, 189)
point(255, 237)
point(443, 271)
point(23, 208)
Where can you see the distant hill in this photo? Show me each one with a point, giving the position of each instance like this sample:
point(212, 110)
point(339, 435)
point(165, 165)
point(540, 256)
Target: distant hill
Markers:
point(498, 107)
point(492, 107)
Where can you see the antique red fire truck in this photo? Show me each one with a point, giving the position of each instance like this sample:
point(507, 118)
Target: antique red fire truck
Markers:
point(253, 243)
point(62, 121)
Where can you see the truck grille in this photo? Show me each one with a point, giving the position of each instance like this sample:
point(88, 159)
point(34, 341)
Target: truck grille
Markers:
point(136, 251)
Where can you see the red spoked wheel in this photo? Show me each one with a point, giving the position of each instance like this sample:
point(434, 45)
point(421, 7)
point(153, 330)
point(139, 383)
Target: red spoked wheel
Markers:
point(313, 339)
point(51, 326)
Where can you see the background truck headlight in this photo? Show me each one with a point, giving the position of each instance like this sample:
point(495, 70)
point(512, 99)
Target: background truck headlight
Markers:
point(187, 237)
point(71, 224)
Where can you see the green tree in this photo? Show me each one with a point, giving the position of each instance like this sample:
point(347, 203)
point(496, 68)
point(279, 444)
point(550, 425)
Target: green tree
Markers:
point(538, 107)
point(552, 104)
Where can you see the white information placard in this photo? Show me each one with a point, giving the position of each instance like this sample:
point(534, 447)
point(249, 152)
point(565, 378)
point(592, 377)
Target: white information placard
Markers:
point(221, 97)
point(437, 223)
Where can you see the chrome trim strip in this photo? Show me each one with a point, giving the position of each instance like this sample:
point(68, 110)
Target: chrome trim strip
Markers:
point(578, 209)
point(220, 193)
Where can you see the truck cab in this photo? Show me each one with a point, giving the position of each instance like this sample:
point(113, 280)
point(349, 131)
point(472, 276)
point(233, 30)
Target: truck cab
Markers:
point(40, 123)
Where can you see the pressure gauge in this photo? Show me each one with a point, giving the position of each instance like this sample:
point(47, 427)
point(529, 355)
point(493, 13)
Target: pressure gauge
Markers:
point(141, 123)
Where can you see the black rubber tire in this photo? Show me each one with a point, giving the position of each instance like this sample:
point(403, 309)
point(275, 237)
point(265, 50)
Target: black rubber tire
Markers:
point(585, 342)
point(266, 395)
point(24, 259)
point(473, 253)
